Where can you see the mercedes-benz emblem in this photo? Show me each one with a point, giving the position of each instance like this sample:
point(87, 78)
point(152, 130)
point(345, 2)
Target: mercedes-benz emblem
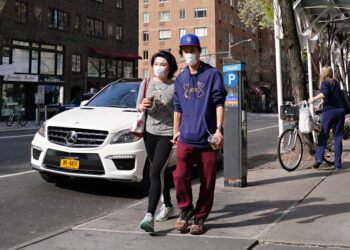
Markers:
point(71, 137)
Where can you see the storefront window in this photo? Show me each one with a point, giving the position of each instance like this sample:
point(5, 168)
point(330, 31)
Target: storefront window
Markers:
point(120, 69)
point(21, 60)
point(128, 69)
point(52, 93)
point(34, 62)
point(93, 67)
point(103, 67)
point(111, 70)
point(11, 98)
point(5, 55)
point(59, 64)
point(47, 63)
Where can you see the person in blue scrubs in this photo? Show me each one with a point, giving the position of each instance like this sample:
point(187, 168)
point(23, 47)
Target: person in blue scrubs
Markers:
point(333, 116)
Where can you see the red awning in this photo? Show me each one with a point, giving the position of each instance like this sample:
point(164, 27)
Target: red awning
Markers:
point(114, 53)
point(257, 90)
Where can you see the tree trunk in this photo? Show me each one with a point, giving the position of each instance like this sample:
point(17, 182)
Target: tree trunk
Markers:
point(295, 64)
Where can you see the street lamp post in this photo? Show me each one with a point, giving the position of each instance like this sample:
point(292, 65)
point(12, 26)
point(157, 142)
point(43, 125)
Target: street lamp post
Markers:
point(233, 45)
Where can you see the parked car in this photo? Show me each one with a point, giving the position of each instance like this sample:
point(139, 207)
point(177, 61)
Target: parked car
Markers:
point(75, 102)
point(92, 140)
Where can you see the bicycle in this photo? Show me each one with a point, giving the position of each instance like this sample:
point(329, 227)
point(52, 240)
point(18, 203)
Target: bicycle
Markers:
point(290, 144)
point(19, 115)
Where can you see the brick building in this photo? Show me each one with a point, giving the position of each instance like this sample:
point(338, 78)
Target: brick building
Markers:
point(64, 48)
point(216, 23)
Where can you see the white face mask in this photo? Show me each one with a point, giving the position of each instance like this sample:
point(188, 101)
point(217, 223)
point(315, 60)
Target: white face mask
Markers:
point(159, 71)
point(191, 59)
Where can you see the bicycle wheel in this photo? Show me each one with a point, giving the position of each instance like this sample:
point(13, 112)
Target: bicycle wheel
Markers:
point(9, 121)
point(23, 120)
point(290, 149)
point(328, 155)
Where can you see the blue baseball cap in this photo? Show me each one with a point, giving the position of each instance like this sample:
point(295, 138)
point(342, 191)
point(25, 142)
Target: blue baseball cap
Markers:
point(189, 39)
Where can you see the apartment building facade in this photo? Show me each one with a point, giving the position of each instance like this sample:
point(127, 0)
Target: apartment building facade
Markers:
point(216, 23)
point(60, 49)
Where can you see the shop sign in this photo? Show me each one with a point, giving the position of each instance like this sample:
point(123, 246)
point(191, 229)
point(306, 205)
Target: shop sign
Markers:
point(21, 78)
point(51, 79)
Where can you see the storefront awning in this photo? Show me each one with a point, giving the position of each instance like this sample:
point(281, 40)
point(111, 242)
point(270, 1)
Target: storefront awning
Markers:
point(257, 90)
point(115, 53)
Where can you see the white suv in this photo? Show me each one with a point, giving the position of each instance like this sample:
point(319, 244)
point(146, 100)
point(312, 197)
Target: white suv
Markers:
point(92, 140)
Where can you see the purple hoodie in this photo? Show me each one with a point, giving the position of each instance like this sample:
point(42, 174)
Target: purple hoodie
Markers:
point(197, 96)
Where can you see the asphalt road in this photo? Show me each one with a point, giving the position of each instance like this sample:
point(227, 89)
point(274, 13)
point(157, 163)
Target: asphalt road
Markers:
point(31, 208)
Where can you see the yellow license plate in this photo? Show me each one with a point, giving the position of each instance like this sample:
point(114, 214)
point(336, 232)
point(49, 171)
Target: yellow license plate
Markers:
point(70, 163)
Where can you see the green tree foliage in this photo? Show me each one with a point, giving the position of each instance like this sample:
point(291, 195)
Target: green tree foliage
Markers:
point(253, 12)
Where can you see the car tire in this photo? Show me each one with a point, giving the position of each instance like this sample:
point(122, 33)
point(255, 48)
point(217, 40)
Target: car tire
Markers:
point(54, 178)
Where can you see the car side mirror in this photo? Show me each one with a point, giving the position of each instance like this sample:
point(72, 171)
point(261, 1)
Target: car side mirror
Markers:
point(83, 103)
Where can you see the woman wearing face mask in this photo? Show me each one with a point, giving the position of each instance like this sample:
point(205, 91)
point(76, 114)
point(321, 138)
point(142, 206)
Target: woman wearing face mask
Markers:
point(159, 107)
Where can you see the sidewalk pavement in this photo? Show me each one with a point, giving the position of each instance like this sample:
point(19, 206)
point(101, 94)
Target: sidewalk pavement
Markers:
point(307, 209)
point(17, 127)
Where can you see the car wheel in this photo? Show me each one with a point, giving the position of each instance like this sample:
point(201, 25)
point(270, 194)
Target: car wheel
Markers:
point(54, 178)
point(142, 187)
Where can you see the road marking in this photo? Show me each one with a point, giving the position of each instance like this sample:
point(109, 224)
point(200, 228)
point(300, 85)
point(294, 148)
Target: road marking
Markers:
point(259, 129)
point(10, 175)
point(16, 136)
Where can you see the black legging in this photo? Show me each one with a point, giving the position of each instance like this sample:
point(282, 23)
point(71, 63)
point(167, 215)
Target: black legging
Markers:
point(158, 150)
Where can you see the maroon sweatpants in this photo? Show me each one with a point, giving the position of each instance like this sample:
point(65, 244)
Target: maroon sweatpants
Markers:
point(206, 159)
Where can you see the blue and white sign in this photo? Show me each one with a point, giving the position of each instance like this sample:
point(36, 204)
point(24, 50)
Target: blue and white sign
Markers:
point(234, 67)
point(231, 79)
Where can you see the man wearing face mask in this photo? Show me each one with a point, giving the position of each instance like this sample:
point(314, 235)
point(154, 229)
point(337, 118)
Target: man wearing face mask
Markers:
point(199, 96)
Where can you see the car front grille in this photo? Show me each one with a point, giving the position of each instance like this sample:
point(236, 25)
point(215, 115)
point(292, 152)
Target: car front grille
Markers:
point(89, 163)
point(83, 138)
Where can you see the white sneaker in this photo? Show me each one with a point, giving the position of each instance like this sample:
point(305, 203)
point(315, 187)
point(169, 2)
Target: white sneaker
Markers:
point(165, 213)
point(147, 223)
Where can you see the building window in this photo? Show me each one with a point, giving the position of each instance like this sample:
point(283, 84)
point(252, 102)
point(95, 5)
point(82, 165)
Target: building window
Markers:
point(94, 27)
point(244, 45)
point(145, 17)
point(58, 19)
point(182, 15)
point(182, 32)
point(47, 63)
point(20, 59)
point(219, 15)
point(119, 4)
point(243, 26)
point(232, 38)
point(259, 35)
point(226, 35)
point(164, 35)
point(77, 22)
point(232, 3)
point(253, 45)
point(118, 33)
point(76, 63)
point(22, 11)
point(145, 73)
point(253, 60)
point(200, 13)
point(161, 1)
point(232, 20)
point(35, 61)
point(244, 58)
point(145, 1)
point(201, 32)
point(219, 35)
point(145, 55)
point(93, 67)
point(204, 51)
point(225, 17)
point(145, 36)
point(164, 16)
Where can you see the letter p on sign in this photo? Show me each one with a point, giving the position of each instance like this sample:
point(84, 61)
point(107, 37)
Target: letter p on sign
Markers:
point(231, 79)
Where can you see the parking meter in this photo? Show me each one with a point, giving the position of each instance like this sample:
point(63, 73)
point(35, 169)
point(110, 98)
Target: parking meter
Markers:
point(235, 124)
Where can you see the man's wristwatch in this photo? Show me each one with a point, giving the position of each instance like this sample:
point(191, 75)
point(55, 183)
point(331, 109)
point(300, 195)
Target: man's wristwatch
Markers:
point(220, 128)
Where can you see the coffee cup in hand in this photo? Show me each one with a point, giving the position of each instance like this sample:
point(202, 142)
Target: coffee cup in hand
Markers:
point(213, 140)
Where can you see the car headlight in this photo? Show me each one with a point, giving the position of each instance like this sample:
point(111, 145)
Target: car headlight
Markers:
point(124, 137)
point(42, 130)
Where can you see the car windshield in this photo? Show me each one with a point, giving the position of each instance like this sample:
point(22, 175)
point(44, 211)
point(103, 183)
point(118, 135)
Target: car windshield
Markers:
point(123, 95)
